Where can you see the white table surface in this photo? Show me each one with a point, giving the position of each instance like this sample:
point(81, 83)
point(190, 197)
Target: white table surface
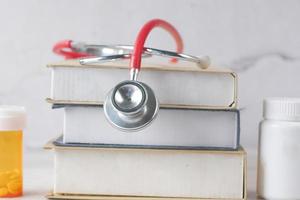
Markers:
point(38, 174)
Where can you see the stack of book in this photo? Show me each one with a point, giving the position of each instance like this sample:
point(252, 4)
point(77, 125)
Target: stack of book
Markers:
point(190, 151)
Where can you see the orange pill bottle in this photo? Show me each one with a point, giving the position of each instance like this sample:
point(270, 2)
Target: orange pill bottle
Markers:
point(12, 123)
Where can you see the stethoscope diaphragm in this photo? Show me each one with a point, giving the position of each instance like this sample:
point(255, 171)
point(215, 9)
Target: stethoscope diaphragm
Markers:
point(131, 105)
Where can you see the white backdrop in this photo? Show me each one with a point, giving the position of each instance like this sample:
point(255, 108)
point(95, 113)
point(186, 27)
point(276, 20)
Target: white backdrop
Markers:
point(258, 39)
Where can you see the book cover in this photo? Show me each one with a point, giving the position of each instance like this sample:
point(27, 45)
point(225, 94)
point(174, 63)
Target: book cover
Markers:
point(108, 197)
point(179, 85)
point(151, 173)
point(193, 128)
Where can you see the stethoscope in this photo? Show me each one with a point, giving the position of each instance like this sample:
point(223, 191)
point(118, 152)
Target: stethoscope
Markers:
point(131, 105)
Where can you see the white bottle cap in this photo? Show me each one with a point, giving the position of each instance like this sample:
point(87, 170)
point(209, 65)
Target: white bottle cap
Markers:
point(12, 118)
point(287, 109)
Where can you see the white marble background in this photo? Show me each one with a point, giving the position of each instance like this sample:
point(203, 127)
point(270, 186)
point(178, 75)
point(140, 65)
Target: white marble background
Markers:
point(260, 40)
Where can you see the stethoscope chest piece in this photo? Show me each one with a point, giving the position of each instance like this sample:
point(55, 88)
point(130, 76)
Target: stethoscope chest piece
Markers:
point(131, 105)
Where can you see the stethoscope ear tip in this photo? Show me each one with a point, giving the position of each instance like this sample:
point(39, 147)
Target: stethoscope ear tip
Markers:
point(204, 62)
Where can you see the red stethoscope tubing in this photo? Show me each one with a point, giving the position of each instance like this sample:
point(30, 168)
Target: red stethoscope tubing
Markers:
point(136, 57)
point(64, 48)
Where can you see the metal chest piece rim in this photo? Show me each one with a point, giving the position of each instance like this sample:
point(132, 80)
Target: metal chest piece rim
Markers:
point(131, 106)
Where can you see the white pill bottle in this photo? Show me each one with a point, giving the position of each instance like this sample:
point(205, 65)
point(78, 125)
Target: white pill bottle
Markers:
point(278, 175)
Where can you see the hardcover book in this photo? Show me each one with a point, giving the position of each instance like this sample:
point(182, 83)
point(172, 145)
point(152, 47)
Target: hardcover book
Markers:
point(182, 128)
point(174, 85)
point(146, 172)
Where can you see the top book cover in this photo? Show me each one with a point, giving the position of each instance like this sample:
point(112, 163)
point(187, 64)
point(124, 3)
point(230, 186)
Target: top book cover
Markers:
point(175, 85)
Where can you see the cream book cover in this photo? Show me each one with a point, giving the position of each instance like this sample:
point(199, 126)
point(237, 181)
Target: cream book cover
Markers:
point(145, 172)
point(108, 197)
point(174, 85)
point(179, 127)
